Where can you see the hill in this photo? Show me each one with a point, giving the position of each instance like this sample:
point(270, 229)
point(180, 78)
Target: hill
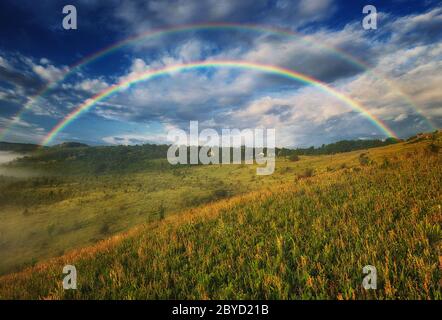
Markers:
point(340, 146)
point(72, 145)
point(18, 147)
point(73, 158)
point(300, 238)
point(81, 159)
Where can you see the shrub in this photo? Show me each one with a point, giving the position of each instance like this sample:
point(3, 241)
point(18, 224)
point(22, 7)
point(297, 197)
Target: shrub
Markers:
point(433, 148)
point(161, 211)
point(364, 159)
point(221, 193)
point(105, 228)
point(307, 173)
point(294, 157)
point(385, 163)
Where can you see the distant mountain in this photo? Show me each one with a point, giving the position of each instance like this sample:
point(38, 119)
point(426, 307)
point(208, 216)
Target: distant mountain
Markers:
point(72, 145)
point(18, 147)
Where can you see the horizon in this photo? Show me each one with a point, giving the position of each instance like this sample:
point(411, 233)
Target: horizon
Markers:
point(168, 144)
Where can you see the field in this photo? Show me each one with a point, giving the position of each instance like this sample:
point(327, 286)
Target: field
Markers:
point(221, 232)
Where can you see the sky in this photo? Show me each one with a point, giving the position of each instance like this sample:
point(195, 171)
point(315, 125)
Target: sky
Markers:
point(394, 71)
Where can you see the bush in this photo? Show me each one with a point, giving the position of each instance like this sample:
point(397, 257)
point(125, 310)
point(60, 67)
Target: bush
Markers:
point(221, 193)
point(105, 228)
point(385, 163)
point(433, 148)
point(294, 157)
point(161, 211)
point(364, 159)
point(307, 173)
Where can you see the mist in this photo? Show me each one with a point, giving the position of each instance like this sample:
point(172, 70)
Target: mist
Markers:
point(8, 156)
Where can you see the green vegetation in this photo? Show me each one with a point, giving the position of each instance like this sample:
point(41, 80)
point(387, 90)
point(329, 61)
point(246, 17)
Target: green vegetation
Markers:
point(304, 232)
point(18, 147)
point(78, 159)
point(340, 146)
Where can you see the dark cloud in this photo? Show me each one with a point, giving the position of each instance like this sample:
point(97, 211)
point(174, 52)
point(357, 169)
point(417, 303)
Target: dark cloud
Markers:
point(418, 29)
point(175, 12)
point(31, 83)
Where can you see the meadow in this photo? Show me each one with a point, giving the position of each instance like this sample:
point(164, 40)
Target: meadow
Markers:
point(221, 232)
point(57, 199)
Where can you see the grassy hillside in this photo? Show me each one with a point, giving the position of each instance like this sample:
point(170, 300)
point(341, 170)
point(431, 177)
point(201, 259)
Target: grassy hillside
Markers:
point(72, 195)
point(306, 232)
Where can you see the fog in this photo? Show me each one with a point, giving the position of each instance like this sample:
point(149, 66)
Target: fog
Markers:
point(8, 156)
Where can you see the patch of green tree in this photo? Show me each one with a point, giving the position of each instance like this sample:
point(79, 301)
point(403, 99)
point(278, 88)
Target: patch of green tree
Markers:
point(338, 147)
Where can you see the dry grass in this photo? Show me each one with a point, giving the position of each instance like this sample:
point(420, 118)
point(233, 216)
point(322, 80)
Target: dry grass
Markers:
point(307, 239)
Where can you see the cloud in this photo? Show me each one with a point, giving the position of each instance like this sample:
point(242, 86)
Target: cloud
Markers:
point(175, 12)
point(131, 139)
point(4, 63)
point(312, 58)
point(27, 76)
point(92, 85)
point(226, 97)
point(400, 117)
point(417, 28)
point(19, 79)
point(49, 72)
point(229, 98)
point(23, 131)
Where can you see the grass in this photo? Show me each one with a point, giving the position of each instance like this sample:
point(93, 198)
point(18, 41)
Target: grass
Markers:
point(48, 213)
point(287, 238)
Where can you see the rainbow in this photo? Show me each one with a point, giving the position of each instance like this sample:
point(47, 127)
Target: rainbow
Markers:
point(209, 26)
point(89, 103)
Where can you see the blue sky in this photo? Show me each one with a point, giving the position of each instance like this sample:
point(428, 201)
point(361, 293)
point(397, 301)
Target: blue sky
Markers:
point(35, 51)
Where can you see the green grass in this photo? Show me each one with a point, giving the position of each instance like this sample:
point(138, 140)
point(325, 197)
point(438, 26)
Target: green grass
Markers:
point(44, 216)
point(296, 236)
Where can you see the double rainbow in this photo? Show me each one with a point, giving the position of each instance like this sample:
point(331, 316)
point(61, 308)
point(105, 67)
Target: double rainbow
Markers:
point(207, 27)
point(88, 104)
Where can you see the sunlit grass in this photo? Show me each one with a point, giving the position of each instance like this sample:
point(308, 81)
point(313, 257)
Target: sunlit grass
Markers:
point(294, 237)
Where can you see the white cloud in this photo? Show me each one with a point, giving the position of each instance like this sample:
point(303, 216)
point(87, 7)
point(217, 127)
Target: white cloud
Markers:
point(92, 85)
point(130, 139)
point(400, 117)
point(49, 72)
point(239, 98)
point(4, 63)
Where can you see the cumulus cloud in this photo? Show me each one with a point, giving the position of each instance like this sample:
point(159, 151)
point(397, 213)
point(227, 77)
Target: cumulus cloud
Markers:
point(225, 97)
point(92, 85)
point(49, 72)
